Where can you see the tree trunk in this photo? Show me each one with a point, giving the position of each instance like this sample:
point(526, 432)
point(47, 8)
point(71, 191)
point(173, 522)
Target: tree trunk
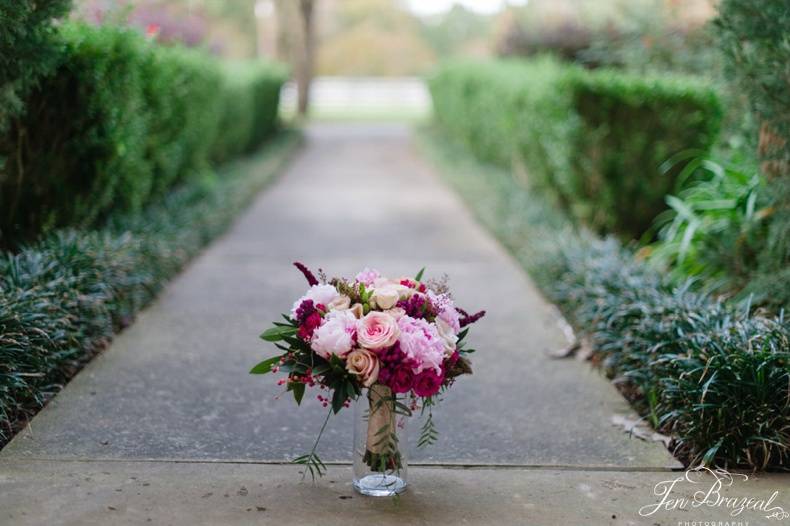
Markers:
point(304, 74)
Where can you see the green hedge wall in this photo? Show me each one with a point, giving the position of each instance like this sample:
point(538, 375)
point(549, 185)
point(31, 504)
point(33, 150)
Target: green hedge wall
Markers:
point(249, 108)
point(120, 121)
point(595, 140)
point(28, 49)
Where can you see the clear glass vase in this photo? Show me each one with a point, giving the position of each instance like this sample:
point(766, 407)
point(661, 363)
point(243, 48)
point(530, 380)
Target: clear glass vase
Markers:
point(380, 443)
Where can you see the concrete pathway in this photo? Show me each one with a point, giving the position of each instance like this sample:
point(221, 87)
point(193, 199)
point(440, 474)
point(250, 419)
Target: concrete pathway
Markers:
point(167, 421)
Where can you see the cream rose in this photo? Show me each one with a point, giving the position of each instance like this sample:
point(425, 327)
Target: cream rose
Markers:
point(446, 333)
point(342, 302)
point(386, 297)
point(377, 330)
point(364, 363)
point(357, 310)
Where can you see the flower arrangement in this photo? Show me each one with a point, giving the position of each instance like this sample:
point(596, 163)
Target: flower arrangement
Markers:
point(401, 340)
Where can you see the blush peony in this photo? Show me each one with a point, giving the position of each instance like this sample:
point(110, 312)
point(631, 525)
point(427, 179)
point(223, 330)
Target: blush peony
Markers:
point(335, 335)
point(420, 341)
point(320, 294)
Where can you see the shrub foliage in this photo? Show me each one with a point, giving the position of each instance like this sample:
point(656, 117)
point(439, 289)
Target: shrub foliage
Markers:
point(714, 376)
point(64, 296)
point(594, 140)
point(754, 37)
point(119, 122)
point(28, 48)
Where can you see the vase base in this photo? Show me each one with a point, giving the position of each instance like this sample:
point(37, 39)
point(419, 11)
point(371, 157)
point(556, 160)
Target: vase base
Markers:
point(380, 485)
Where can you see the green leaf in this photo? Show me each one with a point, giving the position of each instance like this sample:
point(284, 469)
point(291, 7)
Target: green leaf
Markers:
point(275, 334)
point(298, 389)
point(338, 398)
point(265, 366)
point(418, 277)
point(318, 370)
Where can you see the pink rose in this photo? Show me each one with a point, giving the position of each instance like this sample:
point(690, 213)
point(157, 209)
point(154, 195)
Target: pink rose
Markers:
point(335, 335)
point(428, 383)
point(377, 330)
point(342, 302)
point(368, 276)
point(364, 363)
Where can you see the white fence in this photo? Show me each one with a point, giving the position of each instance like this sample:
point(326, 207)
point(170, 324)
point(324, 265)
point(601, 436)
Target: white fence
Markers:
point(359, 96)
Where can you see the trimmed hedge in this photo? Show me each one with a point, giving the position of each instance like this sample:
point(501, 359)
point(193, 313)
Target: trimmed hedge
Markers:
point(712, 375)
point(63, 297)
point(249, 108)
point(28, 49)
point(119, 122)
point(596, 141)
point(753, 36)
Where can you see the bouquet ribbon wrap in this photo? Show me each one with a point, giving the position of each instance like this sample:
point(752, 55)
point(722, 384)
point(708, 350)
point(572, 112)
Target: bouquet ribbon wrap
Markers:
point(381, 416)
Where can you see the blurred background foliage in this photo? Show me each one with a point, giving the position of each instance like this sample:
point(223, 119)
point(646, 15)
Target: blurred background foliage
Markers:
point(726, 225)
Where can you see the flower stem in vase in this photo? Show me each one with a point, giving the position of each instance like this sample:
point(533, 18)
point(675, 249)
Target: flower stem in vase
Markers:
point(382, 453)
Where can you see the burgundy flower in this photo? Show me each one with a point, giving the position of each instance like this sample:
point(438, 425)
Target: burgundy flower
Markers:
point(418, 306)
point(311, 279)
point(306, 308)
point(308, 317)
point(428, 383)
point(470, 318)
point(401, 379)
point(452, 360)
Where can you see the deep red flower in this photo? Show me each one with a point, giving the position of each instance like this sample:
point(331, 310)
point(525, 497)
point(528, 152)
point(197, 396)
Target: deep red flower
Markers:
point(428, 383)
point(401, 380)
point(313, 321)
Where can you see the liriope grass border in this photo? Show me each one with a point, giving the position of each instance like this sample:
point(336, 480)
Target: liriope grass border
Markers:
point(63, 297)
point(713, 376)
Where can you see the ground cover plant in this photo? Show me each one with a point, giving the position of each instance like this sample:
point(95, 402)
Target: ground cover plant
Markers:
point(63, 296)
point(714, 376)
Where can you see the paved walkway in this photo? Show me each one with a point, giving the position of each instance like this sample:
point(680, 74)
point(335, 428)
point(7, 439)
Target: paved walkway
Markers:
point(167, 422)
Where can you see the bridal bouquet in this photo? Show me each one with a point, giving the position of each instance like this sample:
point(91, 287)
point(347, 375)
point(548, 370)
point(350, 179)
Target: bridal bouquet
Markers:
point(401, 341)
